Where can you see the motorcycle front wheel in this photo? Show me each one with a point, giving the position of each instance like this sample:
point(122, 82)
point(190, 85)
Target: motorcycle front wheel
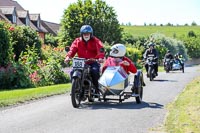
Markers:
point(76, 93)
point(150, 72)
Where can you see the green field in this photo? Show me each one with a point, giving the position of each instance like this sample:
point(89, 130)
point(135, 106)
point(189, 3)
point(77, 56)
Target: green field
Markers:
point(169, 31)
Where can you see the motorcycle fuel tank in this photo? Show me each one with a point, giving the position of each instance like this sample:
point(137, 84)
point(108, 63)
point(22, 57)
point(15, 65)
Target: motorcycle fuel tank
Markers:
point(114, 79)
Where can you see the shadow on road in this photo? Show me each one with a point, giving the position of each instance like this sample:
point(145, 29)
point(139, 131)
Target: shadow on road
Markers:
point(123, 105)
point(164, 80)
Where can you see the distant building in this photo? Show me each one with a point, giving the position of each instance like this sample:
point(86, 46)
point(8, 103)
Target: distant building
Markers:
point(12, 12)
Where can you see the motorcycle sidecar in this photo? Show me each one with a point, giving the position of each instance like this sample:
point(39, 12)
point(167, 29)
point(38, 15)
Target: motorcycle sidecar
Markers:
point(177, 66)
point(115, 82)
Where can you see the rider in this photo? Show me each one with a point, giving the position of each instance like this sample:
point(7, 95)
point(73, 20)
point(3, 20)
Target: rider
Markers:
point(117, 57)
point(89, 47)
point(178, 57)
point(151, 50)
point(168, 55)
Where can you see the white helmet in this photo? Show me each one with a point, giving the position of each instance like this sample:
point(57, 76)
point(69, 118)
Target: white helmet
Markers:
point(118, 50)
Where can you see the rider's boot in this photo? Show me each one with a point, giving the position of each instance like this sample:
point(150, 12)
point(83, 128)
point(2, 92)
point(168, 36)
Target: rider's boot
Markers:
point(156, 73)
point(97, 93)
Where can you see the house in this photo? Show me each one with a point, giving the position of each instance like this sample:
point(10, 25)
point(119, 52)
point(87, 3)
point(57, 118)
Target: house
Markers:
point(12, 12)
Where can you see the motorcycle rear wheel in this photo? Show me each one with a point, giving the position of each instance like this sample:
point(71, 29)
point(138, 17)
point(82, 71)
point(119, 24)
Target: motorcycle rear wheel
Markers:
point(76, 93)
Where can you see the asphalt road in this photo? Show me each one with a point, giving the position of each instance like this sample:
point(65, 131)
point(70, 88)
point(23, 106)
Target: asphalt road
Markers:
point(56, 114)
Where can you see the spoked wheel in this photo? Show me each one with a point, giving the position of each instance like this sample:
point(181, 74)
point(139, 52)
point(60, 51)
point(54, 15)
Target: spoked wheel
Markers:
point(139, 91)
point(76, 93)
point(91, 96)
point(150, 74)
point(167, 69)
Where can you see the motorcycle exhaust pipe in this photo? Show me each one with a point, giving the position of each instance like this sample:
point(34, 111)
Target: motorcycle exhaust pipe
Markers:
point(87, 84)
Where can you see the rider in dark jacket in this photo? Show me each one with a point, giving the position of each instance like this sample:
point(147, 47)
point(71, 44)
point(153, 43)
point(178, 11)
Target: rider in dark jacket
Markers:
point(178, 58)
point(168, 55)
point(151, 50)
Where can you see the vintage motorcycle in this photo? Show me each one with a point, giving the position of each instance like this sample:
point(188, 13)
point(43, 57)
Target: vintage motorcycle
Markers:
point(168, 64)
point(151, 61)
point(82, 86)
point(113, 82)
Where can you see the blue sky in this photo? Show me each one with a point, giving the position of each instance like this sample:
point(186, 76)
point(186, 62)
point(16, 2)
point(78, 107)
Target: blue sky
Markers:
point(137, 12)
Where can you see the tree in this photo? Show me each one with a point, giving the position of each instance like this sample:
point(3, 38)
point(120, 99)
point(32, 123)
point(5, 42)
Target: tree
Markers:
point(194, 24)
point(99, 15)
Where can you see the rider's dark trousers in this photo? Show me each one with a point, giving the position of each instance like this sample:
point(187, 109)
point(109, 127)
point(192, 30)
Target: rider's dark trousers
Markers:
point(95, 72)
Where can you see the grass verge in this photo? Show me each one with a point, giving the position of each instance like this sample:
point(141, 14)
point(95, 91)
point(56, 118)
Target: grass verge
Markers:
point(13, 97)
point(184, 112)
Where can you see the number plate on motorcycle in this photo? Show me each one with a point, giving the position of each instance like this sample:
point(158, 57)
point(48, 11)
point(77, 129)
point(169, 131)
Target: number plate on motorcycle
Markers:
point(78, 63)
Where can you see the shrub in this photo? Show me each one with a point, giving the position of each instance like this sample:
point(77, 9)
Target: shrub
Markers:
point(23, 36)
point(5, 45)
point(51, 70)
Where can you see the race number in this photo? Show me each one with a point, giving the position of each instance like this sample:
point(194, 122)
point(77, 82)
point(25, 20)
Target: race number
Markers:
point(78, 63)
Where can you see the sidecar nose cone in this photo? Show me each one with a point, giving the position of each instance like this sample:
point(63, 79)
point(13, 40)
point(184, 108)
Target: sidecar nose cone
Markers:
point(113, 76)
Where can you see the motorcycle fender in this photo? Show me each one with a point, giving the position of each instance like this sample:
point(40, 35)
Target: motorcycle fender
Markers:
point(76, 74)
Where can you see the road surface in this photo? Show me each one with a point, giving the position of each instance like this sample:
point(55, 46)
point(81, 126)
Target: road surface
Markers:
point(56, 114)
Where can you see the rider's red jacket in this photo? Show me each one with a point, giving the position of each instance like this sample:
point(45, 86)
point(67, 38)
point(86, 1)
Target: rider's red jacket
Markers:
point(90, 49)
point(110, 61)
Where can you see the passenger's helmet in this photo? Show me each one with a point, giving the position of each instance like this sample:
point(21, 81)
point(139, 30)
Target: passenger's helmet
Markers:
point(86, 29)
point(118, 50)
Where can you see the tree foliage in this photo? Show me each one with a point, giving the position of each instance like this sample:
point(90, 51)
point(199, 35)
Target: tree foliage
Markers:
point(167, 43)
point(193, 46)
point(99, 15)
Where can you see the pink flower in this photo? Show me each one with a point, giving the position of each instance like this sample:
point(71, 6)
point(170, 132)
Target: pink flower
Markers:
point(11, 28)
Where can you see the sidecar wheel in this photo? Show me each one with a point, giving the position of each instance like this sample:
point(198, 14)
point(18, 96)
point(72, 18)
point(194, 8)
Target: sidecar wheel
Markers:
point(91, 97)
point(139, 91)
point(75, 93)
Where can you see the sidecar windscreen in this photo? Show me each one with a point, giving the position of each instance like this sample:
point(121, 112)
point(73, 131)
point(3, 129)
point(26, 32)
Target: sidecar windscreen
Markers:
point(113, 77)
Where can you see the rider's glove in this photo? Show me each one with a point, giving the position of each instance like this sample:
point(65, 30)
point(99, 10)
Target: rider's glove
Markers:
point(67, 59)
point(100, 60)
point(125, 63)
